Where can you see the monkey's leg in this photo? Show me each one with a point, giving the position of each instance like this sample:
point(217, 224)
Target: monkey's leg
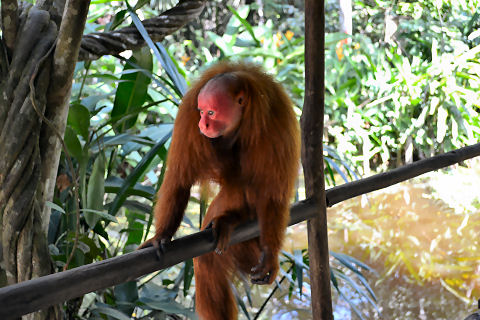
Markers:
point(226, 211)
point(245, 255)
point(214, 299)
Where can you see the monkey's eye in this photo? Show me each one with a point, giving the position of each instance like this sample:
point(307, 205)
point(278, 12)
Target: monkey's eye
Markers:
point(211, 113)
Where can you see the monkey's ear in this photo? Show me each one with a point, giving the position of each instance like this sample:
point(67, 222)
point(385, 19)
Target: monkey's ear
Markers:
point(241, 99)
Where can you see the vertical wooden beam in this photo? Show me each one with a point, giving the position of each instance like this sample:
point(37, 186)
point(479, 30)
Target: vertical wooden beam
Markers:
point(312, 157)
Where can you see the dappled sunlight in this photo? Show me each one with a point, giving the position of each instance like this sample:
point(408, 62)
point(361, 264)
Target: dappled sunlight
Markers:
point(421, 236)
point(411, 237)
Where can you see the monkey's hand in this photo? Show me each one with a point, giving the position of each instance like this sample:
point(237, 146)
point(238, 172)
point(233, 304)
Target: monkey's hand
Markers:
point(156, 242)
point(266, 270)
point(222, 228)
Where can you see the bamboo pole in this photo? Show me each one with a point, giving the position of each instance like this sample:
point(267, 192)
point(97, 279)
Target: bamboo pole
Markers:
point(312, 158)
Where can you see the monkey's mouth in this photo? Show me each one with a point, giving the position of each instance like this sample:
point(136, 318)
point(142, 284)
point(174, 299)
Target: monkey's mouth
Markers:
point(216, 140)
point(210, 135)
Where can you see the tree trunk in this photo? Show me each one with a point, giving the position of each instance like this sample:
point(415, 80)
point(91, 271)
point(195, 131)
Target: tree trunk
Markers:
point(35, 86)
point(38, 52)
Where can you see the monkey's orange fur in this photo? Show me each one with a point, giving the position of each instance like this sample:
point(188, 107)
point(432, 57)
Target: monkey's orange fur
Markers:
point(256, 171)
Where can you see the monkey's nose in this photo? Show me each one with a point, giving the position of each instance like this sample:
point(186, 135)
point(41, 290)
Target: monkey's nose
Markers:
point(203, 125)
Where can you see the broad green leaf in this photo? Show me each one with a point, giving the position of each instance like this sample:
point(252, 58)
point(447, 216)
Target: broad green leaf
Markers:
point(135, 228)
point(90, 102)
point(126, 295)
point(114, 184)
point(73, 144)
point(135, 175)
point(79, 119)
point(95, 191)
point(132, 92)
point(114, 313)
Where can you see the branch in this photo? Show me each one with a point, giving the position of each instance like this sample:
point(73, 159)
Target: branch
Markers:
point(385, 179)
point(29, 296)
point(97, 44)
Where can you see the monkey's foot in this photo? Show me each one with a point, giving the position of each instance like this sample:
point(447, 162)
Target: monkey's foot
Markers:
point(265, 271)
point(222, 228)
point(159, 245)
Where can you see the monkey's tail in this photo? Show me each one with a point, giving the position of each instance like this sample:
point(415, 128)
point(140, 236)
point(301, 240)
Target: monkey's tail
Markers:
point(214, 297)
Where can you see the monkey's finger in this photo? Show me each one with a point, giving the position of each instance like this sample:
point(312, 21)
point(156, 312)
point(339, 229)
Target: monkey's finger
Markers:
point(209, 226)
point(146, 244)
point(258, 271)
point(160, 246)
point(215, 231)
point(223, 240)
point(260, 278)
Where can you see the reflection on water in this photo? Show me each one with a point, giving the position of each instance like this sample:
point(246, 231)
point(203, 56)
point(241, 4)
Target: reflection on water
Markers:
point(426, 251)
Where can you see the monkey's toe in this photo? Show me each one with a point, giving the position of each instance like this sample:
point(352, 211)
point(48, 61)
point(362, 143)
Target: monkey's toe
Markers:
point(159, 245)
point(260, 278)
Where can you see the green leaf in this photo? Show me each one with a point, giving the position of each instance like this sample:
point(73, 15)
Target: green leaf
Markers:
point(246, 24)
point(187, 276)
point(90, 102)
point(136, 174)
point(74, 147)
point(169, 307)
point(331, 39)
point(299, 269)
point(95, 191)
point(126, 295)
point(54, 206)
point(114, 313)
point(135, 228)
point(119, 139)
point(114, 184)
point(442, 115)
point(132, 91)
point(241, 304)
point(357, 289)
point(349, 301)
point(161, 54)
point(79, 119)
point(116, 21)
point(100, 214)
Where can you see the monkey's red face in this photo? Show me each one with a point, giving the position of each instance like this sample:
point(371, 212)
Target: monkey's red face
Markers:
point(220, 113)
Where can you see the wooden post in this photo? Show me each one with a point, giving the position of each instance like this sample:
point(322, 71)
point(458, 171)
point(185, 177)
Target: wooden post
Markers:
point(312, 157)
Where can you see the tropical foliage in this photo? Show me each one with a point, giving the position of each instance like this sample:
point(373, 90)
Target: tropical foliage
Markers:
point(389, 100)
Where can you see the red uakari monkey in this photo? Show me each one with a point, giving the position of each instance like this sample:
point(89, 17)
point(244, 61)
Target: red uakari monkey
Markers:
point(236, 127)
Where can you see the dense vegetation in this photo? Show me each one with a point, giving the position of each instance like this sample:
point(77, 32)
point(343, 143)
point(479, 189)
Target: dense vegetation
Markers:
point(406, 86)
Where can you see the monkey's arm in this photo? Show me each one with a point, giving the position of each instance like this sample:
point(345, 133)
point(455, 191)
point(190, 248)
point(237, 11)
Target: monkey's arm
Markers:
point(169, 210)
point(273, 218)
